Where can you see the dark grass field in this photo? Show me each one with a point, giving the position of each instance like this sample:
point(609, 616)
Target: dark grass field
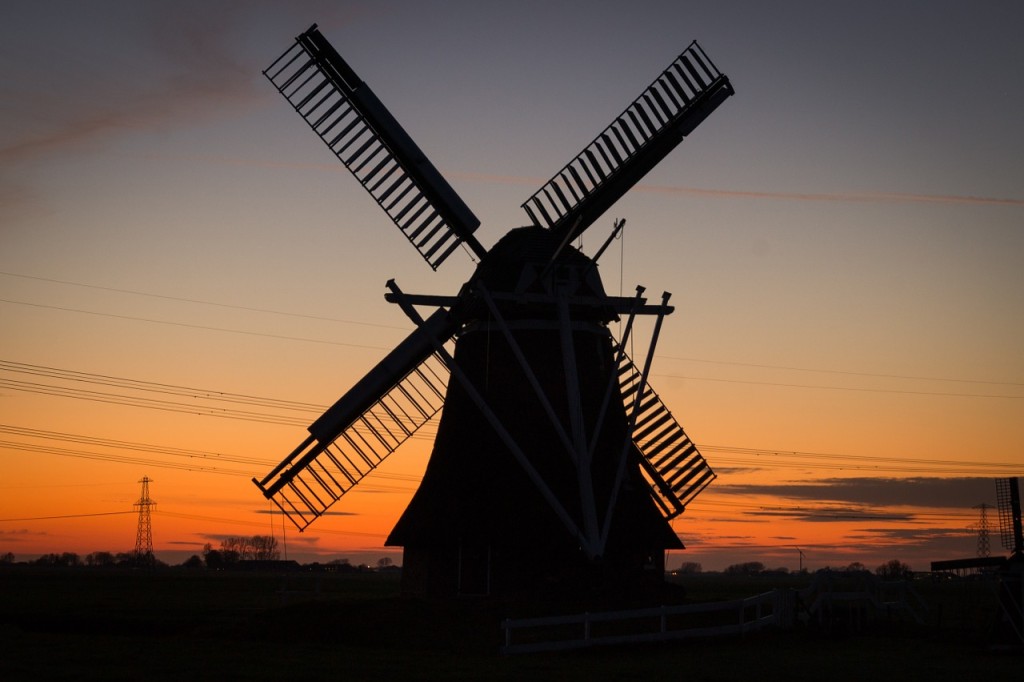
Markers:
point(174, 624)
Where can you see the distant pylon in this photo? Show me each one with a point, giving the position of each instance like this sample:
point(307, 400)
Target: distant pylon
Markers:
point(144, 535)
point(983, 546)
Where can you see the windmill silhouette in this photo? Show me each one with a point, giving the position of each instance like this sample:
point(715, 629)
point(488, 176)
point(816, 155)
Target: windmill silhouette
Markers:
point(555, 462)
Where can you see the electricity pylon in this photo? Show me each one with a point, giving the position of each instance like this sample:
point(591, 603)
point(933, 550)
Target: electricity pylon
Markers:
point(144, 535)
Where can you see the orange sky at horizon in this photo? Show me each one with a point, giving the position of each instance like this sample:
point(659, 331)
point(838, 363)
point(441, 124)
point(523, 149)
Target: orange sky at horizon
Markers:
point(187, 278)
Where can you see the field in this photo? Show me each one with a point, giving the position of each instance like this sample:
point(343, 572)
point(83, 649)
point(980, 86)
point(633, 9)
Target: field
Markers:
point(176, 624)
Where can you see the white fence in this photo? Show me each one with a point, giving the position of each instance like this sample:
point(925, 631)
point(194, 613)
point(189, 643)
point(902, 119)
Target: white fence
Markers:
point(659, 623)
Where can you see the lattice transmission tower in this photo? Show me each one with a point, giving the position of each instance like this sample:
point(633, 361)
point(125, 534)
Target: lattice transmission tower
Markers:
point(144, 534)
point(984, 548)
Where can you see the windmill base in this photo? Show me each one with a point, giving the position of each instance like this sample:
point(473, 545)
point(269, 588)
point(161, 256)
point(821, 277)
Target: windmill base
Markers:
point(490, 571)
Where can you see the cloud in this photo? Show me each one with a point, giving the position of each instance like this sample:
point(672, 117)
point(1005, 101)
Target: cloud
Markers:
point(847, 197)
point(184, 68)
point(945, 493)
point(860, 197)
point(831, 514)
point(19, 535)
point(915, 534)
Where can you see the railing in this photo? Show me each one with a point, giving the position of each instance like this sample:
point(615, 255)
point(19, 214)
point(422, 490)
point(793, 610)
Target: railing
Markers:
point(833, 596)
point(557, 633)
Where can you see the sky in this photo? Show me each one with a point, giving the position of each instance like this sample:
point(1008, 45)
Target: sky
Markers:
point(188, 277)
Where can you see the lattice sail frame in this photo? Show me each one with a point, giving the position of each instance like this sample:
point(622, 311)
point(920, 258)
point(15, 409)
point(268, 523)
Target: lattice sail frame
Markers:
point(674, 468)
point(1008, 505)
point(318, 473)
point(670, 108)
point(359, 130)
point(324, 470)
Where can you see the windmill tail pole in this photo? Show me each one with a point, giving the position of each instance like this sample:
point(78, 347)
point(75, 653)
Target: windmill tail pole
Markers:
point(616, 229)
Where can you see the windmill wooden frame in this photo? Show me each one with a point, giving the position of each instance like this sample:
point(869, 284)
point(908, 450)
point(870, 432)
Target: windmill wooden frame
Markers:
point(590, 457)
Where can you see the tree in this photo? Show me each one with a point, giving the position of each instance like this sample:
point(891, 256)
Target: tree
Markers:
point(192, 562)
point(64, 559)
point(894, 569)
point(7, 558)
point(746, 568)
point(264, 547)
point(855, 567)
point(213, 558)
point(690, 568)
point(241, 548)
point(99, 559)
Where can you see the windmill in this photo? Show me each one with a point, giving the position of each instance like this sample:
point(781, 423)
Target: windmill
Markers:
point(555, 461)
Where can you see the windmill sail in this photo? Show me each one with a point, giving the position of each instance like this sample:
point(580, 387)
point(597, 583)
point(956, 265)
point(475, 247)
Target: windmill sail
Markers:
point(398, 396)
point(675, 469)
point(366, 138)
point(669, 109)
point(1008, 504)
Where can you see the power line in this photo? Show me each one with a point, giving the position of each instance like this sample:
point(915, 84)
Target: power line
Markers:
point(194, 326)
point(384, 326)
point(845, 388)
point(122, 459)
point(262, 524)
point(200, 302)
point(155, 387)
point(66, 516)
point(205, 461)
point(848, 373)
point(129, 445)
point(835, 461)
point(200, 460)
point(207, 395)
point(136, 401)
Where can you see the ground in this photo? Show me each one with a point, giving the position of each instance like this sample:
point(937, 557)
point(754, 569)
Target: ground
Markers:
point(176, 624)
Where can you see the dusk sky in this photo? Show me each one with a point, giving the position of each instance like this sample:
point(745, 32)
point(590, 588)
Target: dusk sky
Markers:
point(188, 277)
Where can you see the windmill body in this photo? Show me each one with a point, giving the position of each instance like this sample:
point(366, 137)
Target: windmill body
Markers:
point(478, 523)
point(554, 459)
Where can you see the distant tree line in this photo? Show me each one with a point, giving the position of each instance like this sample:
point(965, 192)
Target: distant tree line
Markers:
point(237, 548)
point(890, 570)
point(93, 559)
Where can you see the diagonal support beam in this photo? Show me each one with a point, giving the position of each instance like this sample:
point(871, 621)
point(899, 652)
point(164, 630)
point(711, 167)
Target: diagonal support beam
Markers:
point(560, 511)
point(527, 370)
point(584, 477)
point(632, 420)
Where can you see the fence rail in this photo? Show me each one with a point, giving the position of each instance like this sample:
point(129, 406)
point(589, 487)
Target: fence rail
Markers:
point(739, 616)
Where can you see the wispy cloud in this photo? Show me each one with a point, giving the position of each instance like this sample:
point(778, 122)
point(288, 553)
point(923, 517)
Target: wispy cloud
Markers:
point(855, 197)
point(19, 535)
point(946, 493)
point(870, 197)
point(826, 514)
point(192, 68)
